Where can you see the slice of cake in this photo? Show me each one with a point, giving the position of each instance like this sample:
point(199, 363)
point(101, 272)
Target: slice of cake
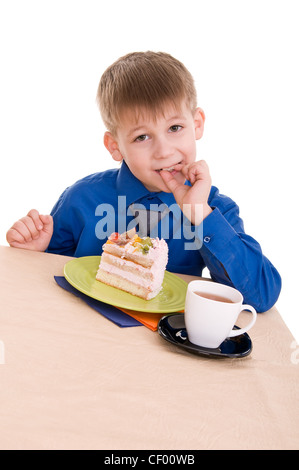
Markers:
point(133, 264)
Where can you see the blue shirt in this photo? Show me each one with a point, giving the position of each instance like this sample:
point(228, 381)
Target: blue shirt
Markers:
point(91, 209)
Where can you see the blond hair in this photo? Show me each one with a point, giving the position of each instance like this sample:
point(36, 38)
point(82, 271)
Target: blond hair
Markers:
point(143, 81)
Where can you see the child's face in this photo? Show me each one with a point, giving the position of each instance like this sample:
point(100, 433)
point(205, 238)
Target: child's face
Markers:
point(149, 145)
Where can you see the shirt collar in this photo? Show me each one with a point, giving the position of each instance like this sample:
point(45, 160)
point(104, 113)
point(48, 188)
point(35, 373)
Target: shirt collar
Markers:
point(128, 185)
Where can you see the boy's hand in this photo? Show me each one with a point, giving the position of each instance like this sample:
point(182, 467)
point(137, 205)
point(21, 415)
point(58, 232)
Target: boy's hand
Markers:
point(32, 232)
point(187, 197)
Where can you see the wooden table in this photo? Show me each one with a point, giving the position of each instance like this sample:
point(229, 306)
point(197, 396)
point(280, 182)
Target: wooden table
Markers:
point(71, 379)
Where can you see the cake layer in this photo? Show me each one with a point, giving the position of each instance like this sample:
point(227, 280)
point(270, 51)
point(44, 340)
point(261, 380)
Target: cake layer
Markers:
point(125, 285)
point(149, 278)
point(133, 271)
point(136, 257)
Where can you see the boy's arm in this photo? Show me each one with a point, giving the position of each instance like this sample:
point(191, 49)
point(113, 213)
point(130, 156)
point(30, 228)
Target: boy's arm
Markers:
point(232, 256)
point(68, 222)
point(236, 259)
point(32, 232)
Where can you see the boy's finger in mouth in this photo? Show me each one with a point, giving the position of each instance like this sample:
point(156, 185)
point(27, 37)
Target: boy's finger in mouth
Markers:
point(172, 169)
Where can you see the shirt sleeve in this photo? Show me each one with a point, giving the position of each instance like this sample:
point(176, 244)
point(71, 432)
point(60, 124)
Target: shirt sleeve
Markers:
point(63, 241)
point(236, 259)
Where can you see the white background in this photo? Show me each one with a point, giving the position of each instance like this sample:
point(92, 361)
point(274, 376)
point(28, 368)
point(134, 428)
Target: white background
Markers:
point(244, 58)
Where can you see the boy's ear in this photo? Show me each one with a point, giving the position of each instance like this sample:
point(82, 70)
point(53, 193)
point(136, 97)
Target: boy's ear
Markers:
point(112, 146)
point(199, 122)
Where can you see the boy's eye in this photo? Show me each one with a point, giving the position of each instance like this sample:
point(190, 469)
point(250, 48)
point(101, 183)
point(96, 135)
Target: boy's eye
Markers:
point(141, 138)
point(175, 128)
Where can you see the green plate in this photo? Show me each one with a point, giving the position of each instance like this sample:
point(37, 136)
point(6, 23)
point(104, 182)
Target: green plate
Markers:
point(81, 274)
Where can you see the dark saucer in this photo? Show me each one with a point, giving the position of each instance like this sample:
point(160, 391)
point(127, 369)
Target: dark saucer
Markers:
point(172, 328)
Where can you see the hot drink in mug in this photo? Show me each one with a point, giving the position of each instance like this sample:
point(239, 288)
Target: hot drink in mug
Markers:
point(211, 311)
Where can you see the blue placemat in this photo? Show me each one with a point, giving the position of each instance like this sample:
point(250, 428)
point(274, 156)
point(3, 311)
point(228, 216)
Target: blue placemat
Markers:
point(109, 311)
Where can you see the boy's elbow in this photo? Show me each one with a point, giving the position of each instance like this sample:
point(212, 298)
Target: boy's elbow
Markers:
point(268, 295)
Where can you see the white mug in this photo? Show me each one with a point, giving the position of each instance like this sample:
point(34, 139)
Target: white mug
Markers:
point(210, 317)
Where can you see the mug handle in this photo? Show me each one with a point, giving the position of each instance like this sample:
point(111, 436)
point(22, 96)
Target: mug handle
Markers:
point(240, 331)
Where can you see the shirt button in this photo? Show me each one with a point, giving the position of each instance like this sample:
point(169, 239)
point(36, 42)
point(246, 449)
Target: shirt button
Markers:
point(207, 239)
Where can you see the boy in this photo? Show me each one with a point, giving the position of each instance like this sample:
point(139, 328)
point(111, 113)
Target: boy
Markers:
point(148, 104)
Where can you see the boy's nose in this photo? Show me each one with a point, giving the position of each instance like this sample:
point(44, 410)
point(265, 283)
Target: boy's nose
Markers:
point(162, 149)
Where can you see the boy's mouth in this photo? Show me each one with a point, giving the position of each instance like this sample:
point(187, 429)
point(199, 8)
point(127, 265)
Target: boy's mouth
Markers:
point(176, 167)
